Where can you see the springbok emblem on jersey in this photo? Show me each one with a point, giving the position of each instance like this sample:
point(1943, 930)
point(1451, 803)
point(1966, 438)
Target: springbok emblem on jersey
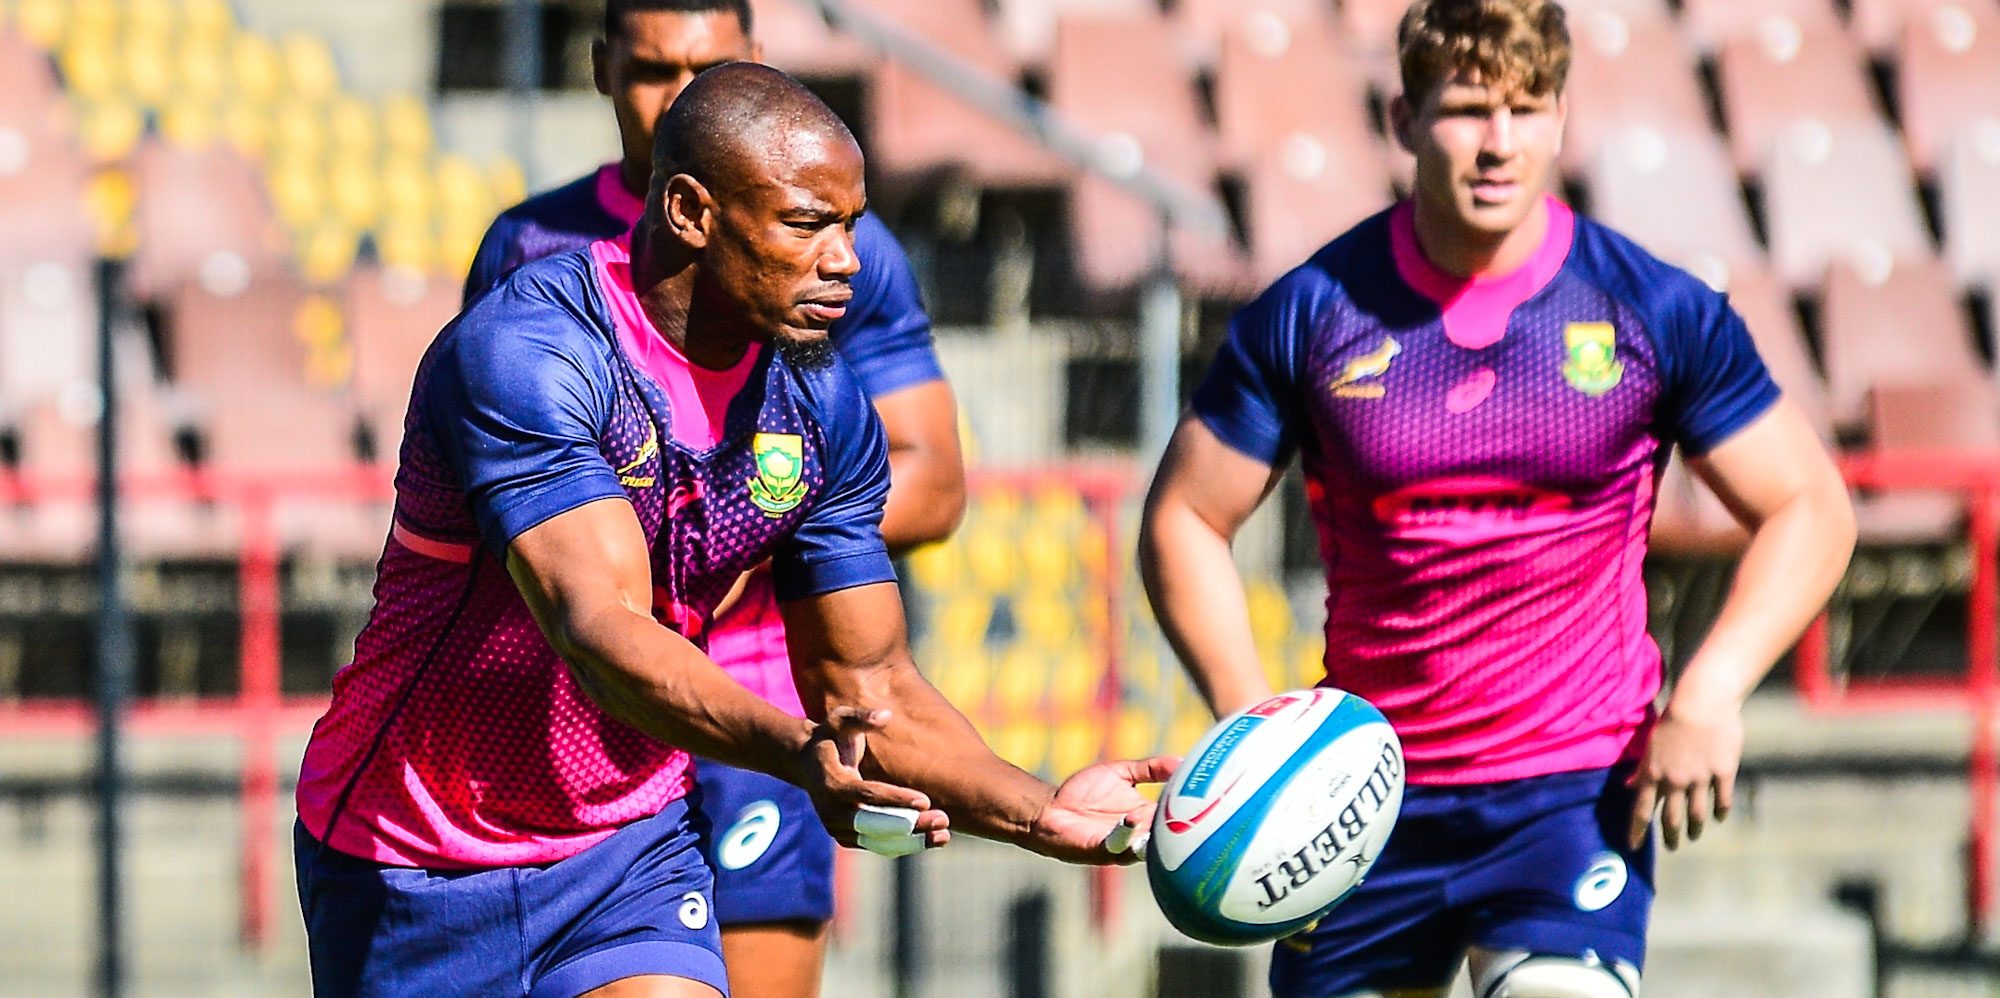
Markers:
point(626, 476)
point(1593, 367)
point(779, 482)
point(1356, 380)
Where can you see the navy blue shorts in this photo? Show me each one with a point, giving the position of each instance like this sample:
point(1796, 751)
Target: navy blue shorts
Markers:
point(637, 903)
point(773, 859)
point(1537, 865)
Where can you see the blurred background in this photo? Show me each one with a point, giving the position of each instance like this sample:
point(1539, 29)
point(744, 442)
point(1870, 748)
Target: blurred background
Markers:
point(264, 210)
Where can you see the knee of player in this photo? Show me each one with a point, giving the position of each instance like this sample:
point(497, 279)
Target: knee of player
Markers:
point(1535, 975)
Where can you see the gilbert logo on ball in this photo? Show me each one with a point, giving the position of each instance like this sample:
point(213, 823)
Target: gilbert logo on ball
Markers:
point(1275, 816)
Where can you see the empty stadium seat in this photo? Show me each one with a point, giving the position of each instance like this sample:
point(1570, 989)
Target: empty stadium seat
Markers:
point(392, 316)
point(916, 127)
point(257, 72)
point(1879, 24)
point(1627, 70)
point(309, 70)
point(1029, 28)
point(1766, 307)
point(1841, 193)
point(1969, 201)
point(1901, 326)
point(1713, 24)
point(1943, 415)
point(1204, 24)
point(1784, 72)
point(1947, 77)
point(797, 41)
point(1311, 168)
point(48, 327)
point(1675, 193)
point(202, 216)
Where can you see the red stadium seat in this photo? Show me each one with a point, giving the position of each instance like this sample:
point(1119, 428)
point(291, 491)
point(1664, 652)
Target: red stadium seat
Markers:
point(1903, 326)
point(1841, 192)
point(1969, 201)
point(1675, 193)
point(917, 127)
point(393, 317)
point(1784, 72)
point(1928, 416)
point(1766, 307)
point(1028, 28)
point(1879, 24)
point(1948, 76)
point(1119, 78)
point(1712, 24)
point(1205, 24)
point(797, 41)
point(202, 216)
point(1312, 167)
point(1627, 70)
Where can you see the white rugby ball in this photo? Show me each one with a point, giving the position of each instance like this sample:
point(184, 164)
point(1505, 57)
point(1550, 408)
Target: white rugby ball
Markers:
point(1275, 816)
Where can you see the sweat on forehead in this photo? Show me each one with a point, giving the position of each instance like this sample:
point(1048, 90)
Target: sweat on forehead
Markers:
point(731, 110)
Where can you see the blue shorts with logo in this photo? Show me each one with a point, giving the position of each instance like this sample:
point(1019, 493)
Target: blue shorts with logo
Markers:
point(640, 902)
point(773, 859)
point(1538, 865)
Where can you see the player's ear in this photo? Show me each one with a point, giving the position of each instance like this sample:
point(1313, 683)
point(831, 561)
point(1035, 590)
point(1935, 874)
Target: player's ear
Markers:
point(600, 65)
point(689, 210)
point(1562, 118)
point(1401, 119)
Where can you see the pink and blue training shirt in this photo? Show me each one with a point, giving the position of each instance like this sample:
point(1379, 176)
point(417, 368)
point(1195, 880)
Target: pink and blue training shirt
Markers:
point(1481, 458)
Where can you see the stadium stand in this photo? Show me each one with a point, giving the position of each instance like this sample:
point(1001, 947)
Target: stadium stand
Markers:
point(1947, 77)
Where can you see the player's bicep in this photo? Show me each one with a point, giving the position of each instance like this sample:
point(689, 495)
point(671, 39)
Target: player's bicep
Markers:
point(579, 564)
point(1774, 460)
point(841, 641)
point(1208, 481)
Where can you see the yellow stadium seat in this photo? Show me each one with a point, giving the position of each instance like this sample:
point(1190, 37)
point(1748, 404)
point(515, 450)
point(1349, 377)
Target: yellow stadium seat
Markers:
point(207, 18)
point(1059, 509)
point(110, 198)
point(93, 17)
point(189, 123)
point(150, 70)
point(407, 195)
point(42, 22)
point(508, 184)
point(1048, 556)
point(406, 125)
point(352, 127)
point(310, 73)
point(318, 327)
point(256, 72)
point(201, 69)
point(1188, 725)
point(1073, 689)
point(462, 194)
point(1024, 745)
point(109, 130)
point(1270, 611)
point(1046, 619)
point(155, 19)
point(989, 556)
point(458, 243)
point(963, 677)
point(961, 621)
point(354, 192)
point(1074, 745)
point(298, 130)
point(1021, 683)
point(404, 246)
point(1136, 735)
point(1308, 664)
point(938, 567)
point(247, 127)
point(90, 67)
point(298, 191)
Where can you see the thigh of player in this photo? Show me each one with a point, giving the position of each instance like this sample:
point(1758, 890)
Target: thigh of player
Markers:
point(1560, 906)
point(633, 910)
point(773, 865)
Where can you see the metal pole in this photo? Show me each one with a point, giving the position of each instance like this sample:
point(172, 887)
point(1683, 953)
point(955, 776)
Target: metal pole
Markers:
point(521, 41)
point(114, 652)
point(1159, 357)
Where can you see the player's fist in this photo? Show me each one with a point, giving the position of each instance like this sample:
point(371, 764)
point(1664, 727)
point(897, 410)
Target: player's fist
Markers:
point(1083, 823)
point(859, 812)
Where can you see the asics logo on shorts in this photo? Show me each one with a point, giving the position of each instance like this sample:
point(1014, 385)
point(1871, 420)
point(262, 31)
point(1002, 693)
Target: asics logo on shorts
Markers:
point(1601, 883)
point(746, 841)
point(694, 910)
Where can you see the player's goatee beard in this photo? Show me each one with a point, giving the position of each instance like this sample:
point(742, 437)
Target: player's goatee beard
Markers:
point(808, 354)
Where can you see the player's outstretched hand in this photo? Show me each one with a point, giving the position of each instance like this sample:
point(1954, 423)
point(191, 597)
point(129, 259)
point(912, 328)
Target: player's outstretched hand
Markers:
point(859, 812)
point(1096, 802)
point(1689, 770)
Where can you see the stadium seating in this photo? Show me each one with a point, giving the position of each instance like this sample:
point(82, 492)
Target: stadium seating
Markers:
point(1969, 200)
point(1628, 70)
point(1785, 72)
point(1674, 192)
point(1841, 193)
point(1901, 325)
point(1948, 77)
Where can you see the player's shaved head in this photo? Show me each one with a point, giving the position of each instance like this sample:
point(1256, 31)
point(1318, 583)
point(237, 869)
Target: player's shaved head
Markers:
point(725, 127)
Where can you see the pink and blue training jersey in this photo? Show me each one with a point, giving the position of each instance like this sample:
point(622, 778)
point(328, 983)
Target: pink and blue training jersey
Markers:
point(1481, 459)
point(885, 337)
point(457, 738)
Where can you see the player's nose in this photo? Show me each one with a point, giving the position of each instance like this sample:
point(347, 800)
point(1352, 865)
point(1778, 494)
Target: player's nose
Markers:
point(839, 260)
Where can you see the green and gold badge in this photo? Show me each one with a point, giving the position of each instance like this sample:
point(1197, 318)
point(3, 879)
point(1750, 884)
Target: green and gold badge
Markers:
point(779, 483)
point(1593, 367)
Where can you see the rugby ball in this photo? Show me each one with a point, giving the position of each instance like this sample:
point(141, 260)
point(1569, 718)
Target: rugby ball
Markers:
point(1275, 816)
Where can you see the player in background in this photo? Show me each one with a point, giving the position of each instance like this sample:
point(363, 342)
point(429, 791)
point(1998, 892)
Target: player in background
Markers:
point(1483, 389)
point(595, 451)
point(773, 861)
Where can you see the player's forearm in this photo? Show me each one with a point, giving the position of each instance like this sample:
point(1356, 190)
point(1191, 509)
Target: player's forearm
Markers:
point(1794, 560)
point(1197, 596)
point(926, 497)
point(652, 679)
point(927, 745)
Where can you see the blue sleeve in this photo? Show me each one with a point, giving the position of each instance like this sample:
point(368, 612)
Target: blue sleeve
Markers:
point(490, 263)
point(516, 407)
point(1250, 396)
point(1715, 384)
point(885, 337)
point(839, 546)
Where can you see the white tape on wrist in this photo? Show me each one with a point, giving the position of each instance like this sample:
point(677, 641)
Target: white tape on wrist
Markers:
point(875, 821)
point(891, 845)
point(1126, 837)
